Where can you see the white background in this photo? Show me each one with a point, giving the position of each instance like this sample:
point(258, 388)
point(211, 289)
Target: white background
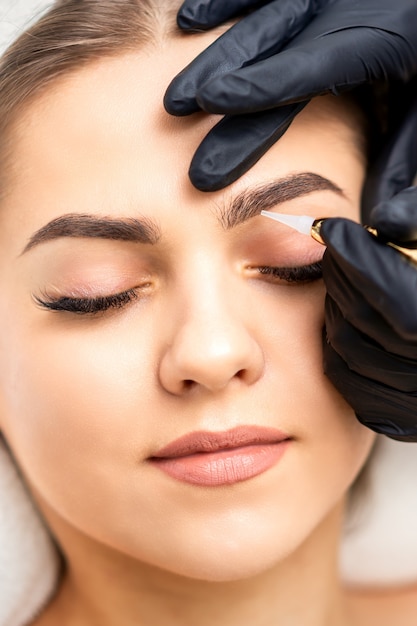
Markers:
point(15, 15)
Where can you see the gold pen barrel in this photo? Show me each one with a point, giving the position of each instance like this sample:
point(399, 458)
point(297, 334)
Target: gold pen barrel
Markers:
point(315, 230)
point(410, 253)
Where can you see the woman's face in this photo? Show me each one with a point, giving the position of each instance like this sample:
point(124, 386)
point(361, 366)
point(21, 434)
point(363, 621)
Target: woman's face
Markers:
point(200, 340)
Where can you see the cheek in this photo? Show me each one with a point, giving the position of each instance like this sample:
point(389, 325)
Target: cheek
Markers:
point(292, 324)
point(333, 444)
point(77, 402)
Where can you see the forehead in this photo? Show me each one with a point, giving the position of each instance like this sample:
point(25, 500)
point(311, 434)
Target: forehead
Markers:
point(107, 122)
point(101, 139)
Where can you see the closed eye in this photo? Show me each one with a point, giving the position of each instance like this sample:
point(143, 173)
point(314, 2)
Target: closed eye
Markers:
point(90, 306)
point(298, 275)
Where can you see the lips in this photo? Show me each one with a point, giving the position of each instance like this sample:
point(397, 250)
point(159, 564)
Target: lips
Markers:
point(208, 458)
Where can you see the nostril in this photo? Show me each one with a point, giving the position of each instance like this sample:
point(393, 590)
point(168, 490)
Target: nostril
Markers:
point(242, 375)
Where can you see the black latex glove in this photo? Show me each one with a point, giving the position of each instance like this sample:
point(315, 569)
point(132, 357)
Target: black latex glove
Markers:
point(370, 343)
point(284, 52)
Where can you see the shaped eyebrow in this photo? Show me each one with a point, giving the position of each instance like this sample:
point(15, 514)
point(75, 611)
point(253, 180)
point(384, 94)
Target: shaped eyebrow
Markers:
point(138, 230)
point(243, 207)
point(251, 202)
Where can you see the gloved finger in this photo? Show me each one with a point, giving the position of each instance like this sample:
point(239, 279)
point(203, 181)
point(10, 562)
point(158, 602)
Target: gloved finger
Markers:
point(391, 362)
point(382, 276)
point(396, 219)
point(396, 168)
point(204, 14)
point(367, 317)
point(313, 68)
point(344, 302)
point(236, 143)
point(256, 37)
point(377, 403)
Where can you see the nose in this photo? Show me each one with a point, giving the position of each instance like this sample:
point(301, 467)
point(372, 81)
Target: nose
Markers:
point(212, 346)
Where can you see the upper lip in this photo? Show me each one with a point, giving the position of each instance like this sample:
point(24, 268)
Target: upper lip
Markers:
point(209, 441)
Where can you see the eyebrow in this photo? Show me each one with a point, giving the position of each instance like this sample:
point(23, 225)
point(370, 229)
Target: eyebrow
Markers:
point(243, 207)
point(138, 230)
point(251, 202)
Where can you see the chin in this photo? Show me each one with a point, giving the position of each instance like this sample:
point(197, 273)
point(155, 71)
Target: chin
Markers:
point(221, 569)
point(239, 557)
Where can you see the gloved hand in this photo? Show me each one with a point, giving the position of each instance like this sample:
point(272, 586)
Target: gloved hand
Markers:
point(282, 53)
point(370, 342)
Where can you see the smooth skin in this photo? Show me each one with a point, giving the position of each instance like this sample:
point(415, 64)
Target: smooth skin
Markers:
point(209, 343)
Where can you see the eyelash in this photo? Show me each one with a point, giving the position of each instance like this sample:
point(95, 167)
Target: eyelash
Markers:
point(300, 275)
point(88, 306)
point(100, 304)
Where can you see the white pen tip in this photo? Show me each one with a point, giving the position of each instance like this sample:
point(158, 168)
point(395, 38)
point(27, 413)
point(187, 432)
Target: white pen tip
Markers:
point(301, 223)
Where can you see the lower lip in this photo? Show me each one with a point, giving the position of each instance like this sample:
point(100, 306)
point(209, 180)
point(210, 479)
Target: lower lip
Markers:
point(225, 467)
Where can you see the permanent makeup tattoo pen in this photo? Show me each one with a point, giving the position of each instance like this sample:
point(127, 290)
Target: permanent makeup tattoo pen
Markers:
point(308, 225)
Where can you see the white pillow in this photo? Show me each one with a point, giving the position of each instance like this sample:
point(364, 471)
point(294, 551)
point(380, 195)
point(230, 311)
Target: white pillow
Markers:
point(16, 15)
point(28, 561)
point(380, 544)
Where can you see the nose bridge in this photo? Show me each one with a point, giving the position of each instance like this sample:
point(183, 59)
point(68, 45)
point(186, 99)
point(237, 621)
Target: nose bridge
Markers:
point(212, 343)
point(214, 321)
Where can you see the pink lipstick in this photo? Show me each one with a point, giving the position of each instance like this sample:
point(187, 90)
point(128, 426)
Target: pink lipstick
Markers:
point(212, 459)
